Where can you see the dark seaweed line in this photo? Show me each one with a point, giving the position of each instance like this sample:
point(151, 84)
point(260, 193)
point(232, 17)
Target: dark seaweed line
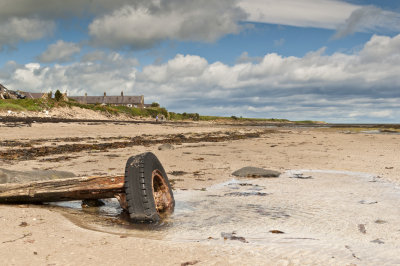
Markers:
point(32, 153)
point(30, 120)
point(30, 143)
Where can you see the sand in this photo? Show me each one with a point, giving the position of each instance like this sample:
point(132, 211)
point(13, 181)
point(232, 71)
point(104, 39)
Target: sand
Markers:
point(67, 113)
point(346, 213)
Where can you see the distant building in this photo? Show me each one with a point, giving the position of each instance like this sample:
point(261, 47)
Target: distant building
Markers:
point(33, 95)
point(130, 101)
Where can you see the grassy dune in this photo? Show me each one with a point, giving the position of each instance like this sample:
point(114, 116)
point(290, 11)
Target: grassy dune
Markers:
point(37, 105)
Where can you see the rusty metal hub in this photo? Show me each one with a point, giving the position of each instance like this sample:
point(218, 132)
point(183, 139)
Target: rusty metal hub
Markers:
point(161, 193)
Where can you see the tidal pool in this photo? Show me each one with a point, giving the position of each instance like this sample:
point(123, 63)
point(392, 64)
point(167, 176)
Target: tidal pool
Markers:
point(323, 214)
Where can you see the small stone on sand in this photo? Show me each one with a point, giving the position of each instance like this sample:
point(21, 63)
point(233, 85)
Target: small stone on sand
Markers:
point(165, 147)
point(250, 171)
point(378, 241)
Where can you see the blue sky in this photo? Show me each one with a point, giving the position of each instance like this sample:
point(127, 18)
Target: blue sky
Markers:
point(328, 60)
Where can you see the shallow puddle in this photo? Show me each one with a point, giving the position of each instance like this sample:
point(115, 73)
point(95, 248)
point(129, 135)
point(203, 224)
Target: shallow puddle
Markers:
point(198, 215)
point(320, 213)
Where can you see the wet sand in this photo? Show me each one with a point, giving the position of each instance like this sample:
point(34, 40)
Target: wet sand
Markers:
point(346, 213)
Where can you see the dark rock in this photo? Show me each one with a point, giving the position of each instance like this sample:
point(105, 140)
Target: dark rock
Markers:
point(367, 202)
point(300, 176)
point(232, 236)
point(361, 228)
point(165, 147)
point(23, 224)
point(378, 241)
point(276, 232)
point(246, 194)
point(193, 262)
point(177, 173)
point(181, 136)
point(249, 171)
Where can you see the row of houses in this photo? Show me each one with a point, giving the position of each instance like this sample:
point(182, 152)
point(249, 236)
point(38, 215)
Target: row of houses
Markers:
point(125, 100)
point(130, 101)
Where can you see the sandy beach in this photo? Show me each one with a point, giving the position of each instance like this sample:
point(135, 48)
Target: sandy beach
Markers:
point(343, 210)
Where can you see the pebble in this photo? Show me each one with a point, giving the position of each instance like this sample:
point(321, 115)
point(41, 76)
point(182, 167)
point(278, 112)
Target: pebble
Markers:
point(165, 147)
point(250, 171)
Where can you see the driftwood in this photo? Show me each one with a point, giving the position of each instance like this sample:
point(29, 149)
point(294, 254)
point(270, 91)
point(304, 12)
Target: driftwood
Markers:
point(144, 191)
point(79, 188)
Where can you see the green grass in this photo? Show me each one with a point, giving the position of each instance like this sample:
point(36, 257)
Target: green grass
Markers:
point(116, 110)
point(10, 106)
point(36, 105)
point(21, 105)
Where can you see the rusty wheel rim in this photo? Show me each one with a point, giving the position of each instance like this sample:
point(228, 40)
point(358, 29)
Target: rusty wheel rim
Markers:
point(161, 193)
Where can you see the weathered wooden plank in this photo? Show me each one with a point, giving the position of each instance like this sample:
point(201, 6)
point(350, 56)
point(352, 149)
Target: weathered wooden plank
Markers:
point(94, 187)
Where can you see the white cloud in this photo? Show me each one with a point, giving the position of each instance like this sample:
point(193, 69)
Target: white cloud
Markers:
point(112, 73)
point(61, 9)
point(182, 68)
point(369, 18)
point(245, 58)
point(94, 56)
point(359, 87)
point(59, 52)
point(314, 13)
point(27, 76)
point(381, 48)
point(142, 27)
point(14, 30)
point(327, 14)
point(125, 23)
point(113, 59)
point(344, 17)
point(140, 24)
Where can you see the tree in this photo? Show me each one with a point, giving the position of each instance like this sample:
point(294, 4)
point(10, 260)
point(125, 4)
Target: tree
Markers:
point(58, 96)
point(154, 104)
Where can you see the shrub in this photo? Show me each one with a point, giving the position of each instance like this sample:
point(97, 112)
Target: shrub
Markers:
point(58, 96)
point(163, 111)
point(174, 116)
point(177, 116)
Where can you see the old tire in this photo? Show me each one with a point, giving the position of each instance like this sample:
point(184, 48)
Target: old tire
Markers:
point(148, 192)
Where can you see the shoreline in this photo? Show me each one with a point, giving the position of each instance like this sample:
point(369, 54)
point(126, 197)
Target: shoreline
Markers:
point(41, 119)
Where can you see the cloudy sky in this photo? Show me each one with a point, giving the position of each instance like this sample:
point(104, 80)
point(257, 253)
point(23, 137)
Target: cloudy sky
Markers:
point(330, 60)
